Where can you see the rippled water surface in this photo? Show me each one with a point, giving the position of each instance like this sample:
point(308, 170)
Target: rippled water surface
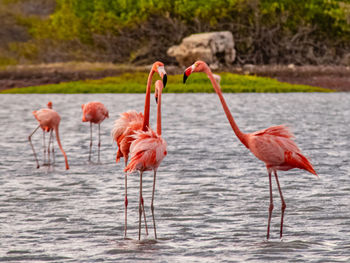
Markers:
point(212, 194)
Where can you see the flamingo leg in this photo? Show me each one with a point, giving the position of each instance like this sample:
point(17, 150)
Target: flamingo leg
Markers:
point(270, 207)
point(44, 146)
point(31, 144)
point(140, 209)
point(99, 142)
point(52, 149)
point(48, 148)
point(90, 141)
point(152, 207)
point(283, 204)
point(126, 199)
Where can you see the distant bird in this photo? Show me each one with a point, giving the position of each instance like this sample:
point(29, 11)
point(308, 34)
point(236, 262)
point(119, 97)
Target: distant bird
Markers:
point(131, 121)
point(274, 146)
point(147, 152)
point(49, 121)
point(94, 112)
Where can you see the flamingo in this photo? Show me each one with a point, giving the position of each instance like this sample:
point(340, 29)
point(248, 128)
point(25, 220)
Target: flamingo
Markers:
point(131, 121)
point(147, 152)
point(94, 112)
point(274, 145)
point(49, 121)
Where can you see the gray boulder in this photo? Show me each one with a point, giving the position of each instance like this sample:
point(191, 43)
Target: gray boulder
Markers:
point(215, 48)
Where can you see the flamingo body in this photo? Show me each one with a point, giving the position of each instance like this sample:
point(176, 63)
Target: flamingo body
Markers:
point(275, 147)
point(94, 112)
point(147, 150)
point(47, 118)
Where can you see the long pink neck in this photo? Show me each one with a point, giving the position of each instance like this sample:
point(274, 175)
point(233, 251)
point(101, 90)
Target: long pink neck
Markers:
point(241, 136)
point(147, 102)
point(159, 113)
point(60, 146)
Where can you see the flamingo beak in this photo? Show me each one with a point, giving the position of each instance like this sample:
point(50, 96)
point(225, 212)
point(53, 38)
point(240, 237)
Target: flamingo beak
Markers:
point(163, 75)
point(165, 79)
point(187, 72)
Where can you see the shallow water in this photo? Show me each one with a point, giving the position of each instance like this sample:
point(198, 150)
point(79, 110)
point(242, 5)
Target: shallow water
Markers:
point(212, 194)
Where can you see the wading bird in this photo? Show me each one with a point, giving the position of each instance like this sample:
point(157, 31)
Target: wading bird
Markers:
point(94, 112)
point(131, 121)
point(274, 146)
point(49, 121)
point(147, 152)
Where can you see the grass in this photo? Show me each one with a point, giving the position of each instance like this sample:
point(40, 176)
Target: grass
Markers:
point(136, 83)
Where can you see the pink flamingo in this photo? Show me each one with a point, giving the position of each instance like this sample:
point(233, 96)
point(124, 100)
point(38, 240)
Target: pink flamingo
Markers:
point(274, 146)
point(49, 121)
point(131, 121)
point(94, 112)
point(147, 152)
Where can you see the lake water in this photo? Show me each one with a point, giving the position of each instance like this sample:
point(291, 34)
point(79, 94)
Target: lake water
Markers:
point(212, 194)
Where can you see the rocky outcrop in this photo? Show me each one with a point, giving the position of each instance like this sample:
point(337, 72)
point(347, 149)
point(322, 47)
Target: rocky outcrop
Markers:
point(215, 48)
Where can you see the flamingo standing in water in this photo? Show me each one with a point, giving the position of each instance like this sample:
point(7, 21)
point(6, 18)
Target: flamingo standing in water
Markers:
point(274, 146)
point(147, 152)
point(94, 112)
point(49, 121)
point(131, 121)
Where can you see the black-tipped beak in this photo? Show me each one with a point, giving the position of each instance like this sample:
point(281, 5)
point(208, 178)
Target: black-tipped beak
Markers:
point(156, 99)
point(165, 79)
point(185, 77)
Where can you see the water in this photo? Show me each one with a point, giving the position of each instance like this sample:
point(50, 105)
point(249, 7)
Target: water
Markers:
point(212, 194)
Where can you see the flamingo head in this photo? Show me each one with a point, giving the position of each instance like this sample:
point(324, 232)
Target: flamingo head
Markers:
point(159, 68)
point(49, 105)
point(158, 90)
point(198, 66)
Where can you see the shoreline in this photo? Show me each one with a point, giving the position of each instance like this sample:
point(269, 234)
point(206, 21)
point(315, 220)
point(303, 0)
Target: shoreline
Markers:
point(332, 77)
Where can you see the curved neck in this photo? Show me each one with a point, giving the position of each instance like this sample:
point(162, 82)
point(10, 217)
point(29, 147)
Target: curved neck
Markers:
point(237, 131)
point(159, 113)
point(145, 124)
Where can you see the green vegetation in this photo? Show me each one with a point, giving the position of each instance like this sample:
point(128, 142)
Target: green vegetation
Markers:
point(136, 83)
point(265, 31)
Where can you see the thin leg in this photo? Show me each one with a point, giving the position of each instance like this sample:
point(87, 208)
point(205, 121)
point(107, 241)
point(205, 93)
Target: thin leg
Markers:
point(283, 204)
point(31, 144)
point(152, 207)
point(99, 142)
point(48, 149)
point(144, 215)
point(270, 208)
point(53, 149)
point(126, 200)
point(140, 209)
point(90, 141)
point(44, 146)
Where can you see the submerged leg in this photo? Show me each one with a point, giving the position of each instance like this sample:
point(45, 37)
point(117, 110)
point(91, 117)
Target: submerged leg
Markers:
point(126, 199)
point(270, 207)
point(31, 144)
point(90, 141)
point(283, 204)
point(99, 142)
point(152, 207)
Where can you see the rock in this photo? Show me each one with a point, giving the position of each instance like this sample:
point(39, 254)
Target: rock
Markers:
point(215, 48)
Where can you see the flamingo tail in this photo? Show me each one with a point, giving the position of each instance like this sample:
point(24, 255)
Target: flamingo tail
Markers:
point(299, 161)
